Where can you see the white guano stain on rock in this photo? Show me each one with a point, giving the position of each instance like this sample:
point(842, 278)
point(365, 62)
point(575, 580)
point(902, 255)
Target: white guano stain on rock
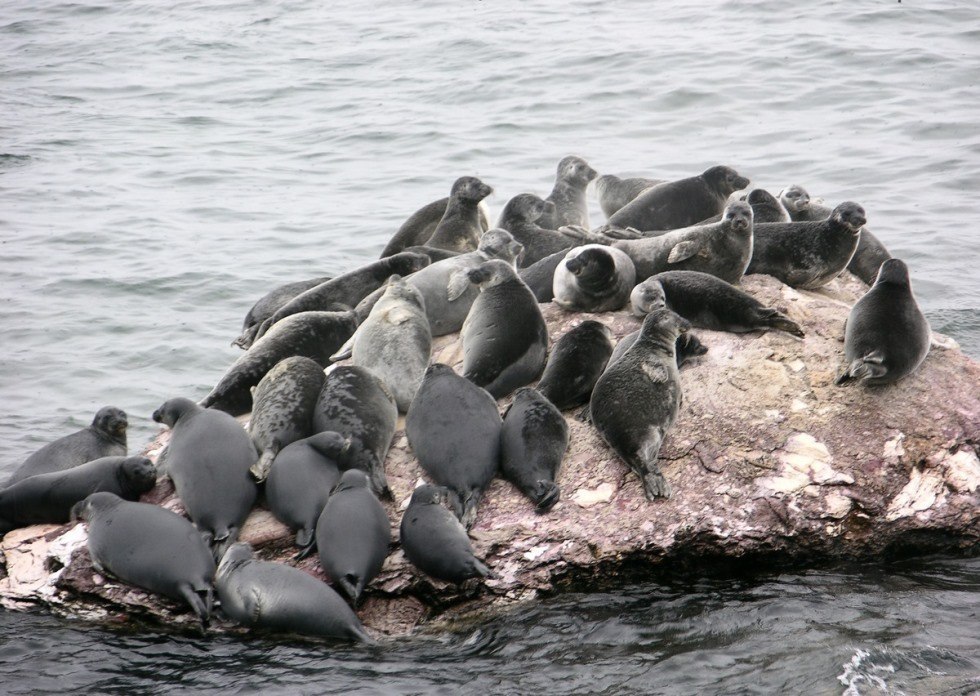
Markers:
point(586, 498)
point(804, 462)
point(924, 489)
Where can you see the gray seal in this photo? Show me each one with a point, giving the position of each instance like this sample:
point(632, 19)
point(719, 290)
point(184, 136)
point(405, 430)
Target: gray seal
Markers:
point(434, 540)
point(269, 304)
point(636, 399)
point(680, 203)
point(454, 429)
point(594, 278)
point(105, 437)
point(394, 342)
point(352, 535)
point(765, 208)
point(505, 338)
point(568, 195)
point(520, 216)
point(420, 226)
point(278, 597)
point(49, 498)
point(614, 193)
point(687, 348)
point(357, 404)
point(886, 336)
point(150, 547)
point(300, 482)
point(460, 228)
point(808, 255)
point(209, 459)
point(314, 335)
point(722, 249)
point(282, 409)
point(533, 441)
point(576, 361)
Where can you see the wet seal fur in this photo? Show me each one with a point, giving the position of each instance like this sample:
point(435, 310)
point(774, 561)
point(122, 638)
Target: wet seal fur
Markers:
point(460, 228)
point(568, 195)
point(576, 361)
point(594, 278)
point(533, 441)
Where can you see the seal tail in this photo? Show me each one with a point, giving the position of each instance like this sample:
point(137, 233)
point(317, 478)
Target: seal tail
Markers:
point(260, 470)
point(780, 321)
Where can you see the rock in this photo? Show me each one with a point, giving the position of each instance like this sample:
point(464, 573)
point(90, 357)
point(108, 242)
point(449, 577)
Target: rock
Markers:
point(768, 460)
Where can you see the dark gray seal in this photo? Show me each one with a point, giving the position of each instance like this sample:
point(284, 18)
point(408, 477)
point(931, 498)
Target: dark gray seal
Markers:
point(269, 304)
point(568, 195)
point(49, 498)
point(886, 336)
point(680, 203)
point(150, 547)
point(357, 404)
point(419, 227)
point(278, 597)
point(454, 429)
point(576, 361)
point(687, 348)
point(520, 216)
point(533, 441)
point(314, 335)
point(765, 208)
point(209, 459)
point(594, 278)
point(722, 249)
point(540, 277)
point(300, 482)
point(636, 399)
point(105, 437)
point(614, 193)
point(282, 409)
point(807, 255)
point(460, 228)
point(434, 540)
point(352, 535)
point(505, 338)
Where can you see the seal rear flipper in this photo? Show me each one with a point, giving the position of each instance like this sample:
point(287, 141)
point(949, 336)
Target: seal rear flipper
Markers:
point(200, 606)
point(221, 541)
point(379, 482)
point(470, 502)
point(346, 350)
point(869, 367)
point(247, 338)
point(545, 496)
point(779, 321)
point(352, 585)
point(306, 540)
point(482, 570)
point(260, 470)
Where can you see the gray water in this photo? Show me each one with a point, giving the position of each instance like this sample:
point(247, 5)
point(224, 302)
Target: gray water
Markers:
point(164, 164)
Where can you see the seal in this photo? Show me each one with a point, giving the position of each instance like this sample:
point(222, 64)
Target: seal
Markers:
point(49, 498)
point(594, 278)
point(353, 534)
point(646, 375)
point(614, 193)
point(687, 348)
point(434, 540)
point(150, 547)
point(282, 410)
point(722, 249)
point(300, 482)
point(505, 338)
point(105, 437)
point(454, 429)
point(394, 342)
point(269, 304)
point(460, 228)
point(278, 597)
point(576, 361)
point(519, 217)
point(533, 441)
point(418, 229)
point(765, 208)
point(680, 203)
point(708, 303)
point(313, 335)
point(357, 404)
point(807, 255)
point(886, 336)
point(568, 195)
point(209, 459)
point(540, 276)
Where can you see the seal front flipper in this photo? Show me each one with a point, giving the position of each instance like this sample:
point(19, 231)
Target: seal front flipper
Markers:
point(684, 251)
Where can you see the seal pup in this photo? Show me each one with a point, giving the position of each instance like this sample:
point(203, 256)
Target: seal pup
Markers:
point(519, 217)
point(594, 278)
point(568, 195)
point(533, 441)
point(105, 437)
point(357, 404)
point(540, 276)
point(209, 459)
point(434, 540)
point(613, 193)
point(352, 535)
point(765, 208)
point(636, 399)
point(269, 304)
point(49, 498)
point(394, 342)
point(453, 428)
point(460, 228)
point(680, 203)
point(418, 228)
point(722, 249)
point(807, 255)
point(576, 361)
point(150, 547)
point(505, 338)
point(282, 409)
point(278, 597)
point(886, 336)
point(687, 348)
point(708, 303)
point(314, 335)
point(300, 482)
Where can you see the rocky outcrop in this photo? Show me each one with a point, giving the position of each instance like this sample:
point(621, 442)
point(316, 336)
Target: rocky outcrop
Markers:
point(768, 460)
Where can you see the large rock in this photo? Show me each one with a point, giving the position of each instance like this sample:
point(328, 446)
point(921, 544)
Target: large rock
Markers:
point(768, 460)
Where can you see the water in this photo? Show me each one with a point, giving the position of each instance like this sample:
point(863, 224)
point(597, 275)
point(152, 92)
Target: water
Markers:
point(163, 164)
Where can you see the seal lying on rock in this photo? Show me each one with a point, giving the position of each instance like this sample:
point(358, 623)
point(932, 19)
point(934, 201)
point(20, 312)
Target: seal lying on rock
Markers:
point(614, 193)
point(460, 228)
point(568, 194)
point(576, 361)
point(594, 278)
point(269, 304)
point(418, 229)
point(533, 441)
point(765, 208)
point(687, 348)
